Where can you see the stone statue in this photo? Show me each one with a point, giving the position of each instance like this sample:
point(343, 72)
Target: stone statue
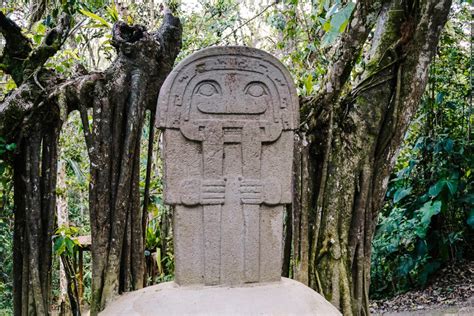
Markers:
point(228, 115)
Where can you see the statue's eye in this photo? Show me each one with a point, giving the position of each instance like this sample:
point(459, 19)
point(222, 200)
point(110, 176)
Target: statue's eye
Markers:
point(256, 89)
point(207, 89)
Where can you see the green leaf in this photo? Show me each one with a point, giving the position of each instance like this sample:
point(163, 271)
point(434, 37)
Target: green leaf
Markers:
point(448, 146)
point(343, 26)
point(342, 18)
point(59, 245)
point(406, 266)
point(11, 147)
point(95, 17)
point(112, 10)
point(308, 84)
point(452, 185)
point(329, 38)
point(400, 194)
point(37, 38)
point(470, 219)
point(428, 210)
point(436, 188)
point(327, 26)
point(70, 246)
point(439, 97)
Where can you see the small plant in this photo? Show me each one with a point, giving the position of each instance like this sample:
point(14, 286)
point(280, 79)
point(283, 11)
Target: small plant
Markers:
point(66, 247)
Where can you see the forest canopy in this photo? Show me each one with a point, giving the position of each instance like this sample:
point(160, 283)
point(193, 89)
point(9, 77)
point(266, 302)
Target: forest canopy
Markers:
point(383, 183)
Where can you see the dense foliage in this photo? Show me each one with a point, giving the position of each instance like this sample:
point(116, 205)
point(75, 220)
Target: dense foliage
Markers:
point(428, 220)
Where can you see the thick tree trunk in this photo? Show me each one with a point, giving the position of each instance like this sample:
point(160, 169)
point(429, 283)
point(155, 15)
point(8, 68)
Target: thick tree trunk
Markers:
point(33, 123)
point(32, 116)
point(354, 131)
point(120, 98)
point(35, 180)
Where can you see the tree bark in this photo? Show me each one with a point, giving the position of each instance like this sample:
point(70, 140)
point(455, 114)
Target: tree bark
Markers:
point(354, 129)
point(120, 98)
point(62, 217)
point(33, 123)
point(32, 116)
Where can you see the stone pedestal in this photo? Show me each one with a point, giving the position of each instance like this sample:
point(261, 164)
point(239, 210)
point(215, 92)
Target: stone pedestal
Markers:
point(287, 297)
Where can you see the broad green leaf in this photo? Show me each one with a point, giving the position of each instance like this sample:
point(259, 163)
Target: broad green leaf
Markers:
point(452, 185)
point(428, 210)
point(59, 245)
point(342, 17)
point(329, 38)
point(436, 188)
point(448, 146)
point(427, 270)
point(400, 194)
point(70, 246)
point(10, 85)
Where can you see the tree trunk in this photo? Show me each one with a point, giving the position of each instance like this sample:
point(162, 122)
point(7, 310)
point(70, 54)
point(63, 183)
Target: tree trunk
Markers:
point(30, 120)
point(35, 178)
point(62, 216)
point(354, 129)
point(32, 116)
point(121, 97)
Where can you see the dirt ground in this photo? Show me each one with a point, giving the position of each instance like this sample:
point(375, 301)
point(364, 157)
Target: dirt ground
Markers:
point(450, 292)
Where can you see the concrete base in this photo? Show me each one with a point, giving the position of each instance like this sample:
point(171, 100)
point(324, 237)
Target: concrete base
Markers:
point(287, 297)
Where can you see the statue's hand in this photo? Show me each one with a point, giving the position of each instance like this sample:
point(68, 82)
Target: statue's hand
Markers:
point(251, 191)
point(267, 191)
point(196, 191)
point(213, 191)
point(190, 191)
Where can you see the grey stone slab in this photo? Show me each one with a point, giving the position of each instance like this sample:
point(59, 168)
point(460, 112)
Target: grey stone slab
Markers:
point(228, 116)
point(286, 297)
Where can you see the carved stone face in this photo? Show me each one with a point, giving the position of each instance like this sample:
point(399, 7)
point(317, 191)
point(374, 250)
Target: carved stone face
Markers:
point(238, 85)
point(227, 93)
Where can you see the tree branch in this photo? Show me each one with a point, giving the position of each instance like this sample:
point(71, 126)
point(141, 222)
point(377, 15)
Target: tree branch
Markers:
point(17, 48)
point(20, 59)
point(346, 53)
point(52, 42)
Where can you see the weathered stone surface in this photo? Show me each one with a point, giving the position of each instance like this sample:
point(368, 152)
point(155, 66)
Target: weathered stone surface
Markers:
point(228, 115)
point(286, 297)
